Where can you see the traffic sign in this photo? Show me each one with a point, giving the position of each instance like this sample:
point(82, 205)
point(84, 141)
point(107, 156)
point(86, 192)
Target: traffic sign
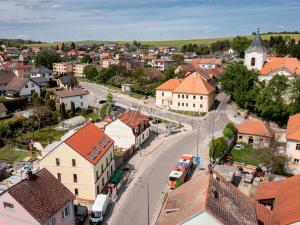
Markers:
point(196, 160)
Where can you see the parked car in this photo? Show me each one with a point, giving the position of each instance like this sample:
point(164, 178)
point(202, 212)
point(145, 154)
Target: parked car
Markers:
point(238, 146)
point(99, 209)
point(81, 213)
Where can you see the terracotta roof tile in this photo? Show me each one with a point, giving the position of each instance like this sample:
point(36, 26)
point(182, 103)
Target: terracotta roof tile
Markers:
point(169, 85)
point(132, 118)
point(42, 196)
point(276, 63)
point(293, 128)
point(194, 84)
point(286, 199)
point(255, 127)
point(15, 66)
point(86, 138)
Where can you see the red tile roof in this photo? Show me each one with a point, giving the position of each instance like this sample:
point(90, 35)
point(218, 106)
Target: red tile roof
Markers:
point(293, 128)
point(132, 118)
point(255, 127)
point(196, 62)
point(86, 138)
point(15, 66)
point(42, 196)
point(277, 63)
point(286, 199)
point(169, 85)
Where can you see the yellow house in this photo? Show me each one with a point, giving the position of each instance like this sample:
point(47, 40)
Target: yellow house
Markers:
point(83, 162)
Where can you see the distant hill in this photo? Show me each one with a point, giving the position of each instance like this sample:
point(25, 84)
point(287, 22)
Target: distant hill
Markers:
point(165, 43)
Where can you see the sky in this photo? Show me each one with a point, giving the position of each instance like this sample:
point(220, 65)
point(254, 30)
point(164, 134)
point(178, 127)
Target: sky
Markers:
point(65, 20)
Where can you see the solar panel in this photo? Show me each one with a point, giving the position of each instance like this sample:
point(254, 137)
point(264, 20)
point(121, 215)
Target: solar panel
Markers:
point(91, 155)
point(97, 150)
point(103, 143)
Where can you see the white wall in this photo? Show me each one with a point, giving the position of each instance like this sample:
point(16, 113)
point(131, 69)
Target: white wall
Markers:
point(31, 86)
point(291, 151)
point(48, 76)
point(121, 134)
point(78, 102)
point(207, 66)
point(161, 98)
point(260, 59)
point(271, 74)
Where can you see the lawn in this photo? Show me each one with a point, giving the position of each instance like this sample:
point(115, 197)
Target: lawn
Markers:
point(12, 155)
point(46, 135)
point(188, 113)
point(249, 155)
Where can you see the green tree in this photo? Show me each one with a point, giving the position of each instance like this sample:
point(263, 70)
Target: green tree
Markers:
point(217, 148)
point(105, 110)
point(90, 72)
point(36, 100)
point(230, 130)
point(62, 47)
point(178, 58)
point(240, 44)
point(50, 104)
point(62, 111)
point(86, 59)
point(73, 112)
point(109, 97)
point(295, 96)
point(46, 58)
point(73, 46)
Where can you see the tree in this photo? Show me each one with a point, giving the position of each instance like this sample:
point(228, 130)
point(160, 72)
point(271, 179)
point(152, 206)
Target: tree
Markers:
point(217, 148)
point(46, 58)
point(105, 110)
point(36, 100)
point(240, 44)
point(62, 110)
point(86, 59)
point(62, 47)
point(229, 130)
point(295, 97)
point(109, 97)
point(169, 74)
point(178, 58)
point(73, 112)
point(90, 72)
point(73, 46)
point(50, 104)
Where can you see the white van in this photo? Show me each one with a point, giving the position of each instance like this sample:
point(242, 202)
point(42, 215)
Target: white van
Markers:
point(99, 209)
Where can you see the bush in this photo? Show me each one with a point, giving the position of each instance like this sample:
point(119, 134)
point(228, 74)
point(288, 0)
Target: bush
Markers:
point(217, 148)
point(230, 130)
point(15, 104)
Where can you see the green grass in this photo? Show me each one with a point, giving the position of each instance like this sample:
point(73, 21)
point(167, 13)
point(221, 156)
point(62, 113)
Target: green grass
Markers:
point(46, 135)
point(188, 113)
point(12, 155)
point(249, 155)
point(136, 95)
point(175, 43)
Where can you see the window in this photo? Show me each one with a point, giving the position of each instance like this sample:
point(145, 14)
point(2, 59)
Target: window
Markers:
point(201, 97)
point(178, 104)
point(182, 96)
point(98, 190)
point(200, 105)
point(297, 146)
point(66, 211)
point(107, 173)
point(187, 96)
point(32, 85)
point(106, 162)
point(59, 176)
point(81, 96)
point(163, 94)
point(91, 155)
point(102, 168)
point(240, 136)
point(194, 105)
point(162, 101)
point(97, 175)
point(194, 97)
point(97, 150)
point(182, 104)
point(73, 162)
point(103, 183)
point(26, 86)
point(186, 104)
point(81, 103)
point(57, 162)
point(111, 156)
point(75, 178)
point(52, 221)
point(8, 206)
point(76, 191)
point(178, 96)
point(253, 61)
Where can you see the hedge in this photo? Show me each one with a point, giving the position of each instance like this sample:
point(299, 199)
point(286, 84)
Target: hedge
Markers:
point(14, 104)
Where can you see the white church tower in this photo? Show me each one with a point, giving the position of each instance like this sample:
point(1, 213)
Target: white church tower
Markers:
point(256, 53)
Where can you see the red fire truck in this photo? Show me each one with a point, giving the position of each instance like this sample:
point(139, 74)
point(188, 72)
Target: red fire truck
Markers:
point(181, 171)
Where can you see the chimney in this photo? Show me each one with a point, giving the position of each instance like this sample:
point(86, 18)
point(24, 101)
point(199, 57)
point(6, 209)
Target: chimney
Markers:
point(28, 174)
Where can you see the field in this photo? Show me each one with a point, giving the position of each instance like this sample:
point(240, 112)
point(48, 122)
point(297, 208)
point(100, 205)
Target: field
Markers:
point(174, 43)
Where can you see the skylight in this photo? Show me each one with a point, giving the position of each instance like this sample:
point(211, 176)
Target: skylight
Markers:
point(97, 150)
point(91, 155)
point(103, 143)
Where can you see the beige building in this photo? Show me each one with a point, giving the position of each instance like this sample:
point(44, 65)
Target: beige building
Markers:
point(78, 69)
point(84, 162)
point(62, 68)
point(293, 140)
point(193, 93)
point(255, 132)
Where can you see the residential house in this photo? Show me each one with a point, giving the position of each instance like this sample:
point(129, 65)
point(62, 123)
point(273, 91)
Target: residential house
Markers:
point(206, 63)
point(41, 72)
point(84, 162)
point(77, 96)
point(12, 51)
point(129, 130)
point(38, 199)
point(66, 81)
point(3, 110)
point(5, 78)
point(22, 87)
point(193, 93)
point(78, 69)
point(207, 199)
point(277, 201)
point(187, 68)
point(190, 55)
point(106, 62)
point(19, 69)
point(293, 139)
point(161, 64)
point(62, 68)
point(256, 133)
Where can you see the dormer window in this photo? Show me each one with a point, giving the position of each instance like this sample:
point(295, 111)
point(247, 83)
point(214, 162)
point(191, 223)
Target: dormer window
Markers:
point(253, 61)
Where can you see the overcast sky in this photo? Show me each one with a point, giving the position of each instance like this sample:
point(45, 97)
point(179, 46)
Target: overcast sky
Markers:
point(62, 20)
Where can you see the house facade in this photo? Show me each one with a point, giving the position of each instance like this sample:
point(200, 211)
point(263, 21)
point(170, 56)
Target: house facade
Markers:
point(78, 69)
point(84, 162)
point(18, 69)
point(77, 96)
point(39, 199)
point(293, 139)
point(206, 63)
point(41, 72)
point(193, 93)
point(22, 87)
point(256, 133)
point(161, 64)
point(5, 78)
point(62, 68)
point(129, 130)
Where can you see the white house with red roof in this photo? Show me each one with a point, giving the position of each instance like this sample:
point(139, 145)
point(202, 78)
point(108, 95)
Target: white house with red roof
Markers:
point(129, 130)
point(19, 69)
point(293, 142)
point(84, 162)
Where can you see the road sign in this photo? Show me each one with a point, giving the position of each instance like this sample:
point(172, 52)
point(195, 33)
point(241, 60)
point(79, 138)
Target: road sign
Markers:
point(196, 160)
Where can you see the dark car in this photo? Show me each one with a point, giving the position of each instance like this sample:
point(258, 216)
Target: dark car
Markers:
point(81, 213)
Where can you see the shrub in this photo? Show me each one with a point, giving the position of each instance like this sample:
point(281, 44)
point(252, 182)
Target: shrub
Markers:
point(15, 104)
point(217, 148)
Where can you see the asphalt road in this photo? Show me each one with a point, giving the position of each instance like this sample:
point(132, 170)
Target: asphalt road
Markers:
point(132, 208)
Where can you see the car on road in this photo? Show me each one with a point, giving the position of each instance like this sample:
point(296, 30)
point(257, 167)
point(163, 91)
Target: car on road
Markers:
point(81, 213)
